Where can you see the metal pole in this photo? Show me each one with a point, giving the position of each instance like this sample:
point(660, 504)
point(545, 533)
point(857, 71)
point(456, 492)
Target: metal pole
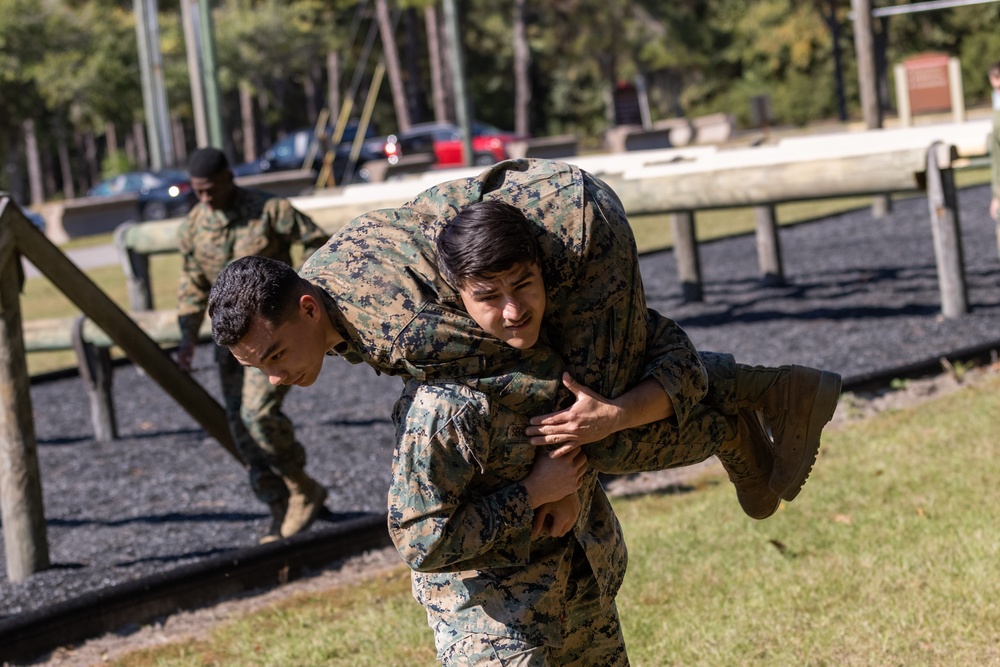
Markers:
point(462, 115)
point(210, 73)
point(148, 98)
point(192, 42)
point(158, 85)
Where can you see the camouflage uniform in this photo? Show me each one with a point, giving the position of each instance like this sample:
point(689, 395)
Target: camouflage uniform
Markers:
point(462, 520)
point(254, 223)
point(396, 313)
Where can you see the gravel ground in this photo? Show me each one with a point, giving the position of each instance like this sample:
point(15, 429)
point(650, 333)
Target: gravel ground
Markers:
point(862, 297)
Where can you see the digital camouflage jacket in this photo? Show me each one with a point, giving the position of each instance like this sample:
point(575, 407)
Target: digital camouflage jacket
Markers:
point(398, 314)
point(462, 520)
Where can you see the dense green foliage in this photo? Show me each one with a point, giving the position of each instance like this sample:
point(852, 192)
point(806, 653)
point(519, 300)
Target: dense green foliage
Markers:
point(71, 66)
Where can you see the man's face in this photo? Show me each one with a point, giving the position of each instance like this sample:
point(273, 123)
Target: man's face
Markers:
point(994, 82)
point(291, 352)
point(214, 191)
point(509, 305)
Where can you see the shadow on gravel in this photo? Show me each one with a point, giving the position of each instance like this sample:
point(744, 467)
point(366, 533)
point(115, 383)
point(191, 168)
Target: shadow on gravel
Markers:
point(173, 517)
point(734, 314)
point(359, 423)
point(142, 435)
point(174, 558)
point(340, 517)
point(54, 442)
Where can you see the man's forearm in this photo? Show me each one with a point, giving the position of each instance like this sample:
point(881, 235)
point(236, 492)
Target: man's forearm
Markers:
point(645, 403)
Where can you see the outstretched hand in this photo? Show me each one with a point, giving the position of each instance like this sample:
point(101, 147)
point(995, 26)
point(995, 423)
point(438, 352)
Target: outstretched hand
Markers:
point(590, 418)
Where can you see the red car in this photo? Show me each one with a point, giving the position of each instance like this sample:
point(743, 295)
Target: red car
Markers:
point(444, 140)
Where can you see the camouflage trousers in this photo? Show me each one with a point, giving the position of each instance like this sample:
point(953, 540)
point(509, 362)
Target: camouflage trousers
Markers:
point(591, 634)
point(264, 436)
point(626, 342)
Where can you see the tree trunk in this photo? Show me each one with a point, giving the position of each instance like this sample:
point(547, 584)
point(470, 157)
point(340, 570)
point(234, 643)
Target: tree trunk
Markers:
point(111, 138)
point(387, 32)
point(311, 92)
point(12, 165)
point(34, 163)
point(65, 165)
point(522, 79)
point(246, 122)
point(333, 83)
point(90, 155)
point(130, 153)
point(414, 82)
point(49, 170)
point(180, 142)
point(435, 57)
point(141, 150)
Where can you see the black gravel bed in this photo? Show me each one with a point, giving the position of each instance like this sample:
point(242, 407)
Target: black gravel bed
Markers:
point(862, 297)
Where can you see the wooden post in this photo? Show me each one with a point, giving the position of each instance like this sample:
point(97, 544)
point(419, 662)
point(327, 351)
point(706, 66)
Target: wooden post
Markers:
point(769, 246)
point(97, 374)
point(943, 203)
point(25, 541)
point(135, 266)
point(864, 45)
point(686, 255)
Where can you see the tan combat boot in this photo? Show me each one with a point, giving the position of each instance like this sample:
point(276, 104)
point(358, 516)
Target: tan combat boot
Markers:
point(278, 509)
point(796, 403)
point(748, 461)
point(305, 500)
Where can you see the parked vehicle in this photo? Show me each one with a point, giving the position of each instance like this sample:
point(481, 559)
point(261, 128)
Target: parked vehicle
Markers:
point(162, 194)
point(444, 141)
point(291, 153)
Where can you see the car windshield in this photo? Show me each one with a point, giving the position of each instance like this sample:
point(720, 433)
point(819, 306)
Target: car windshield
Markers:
point(172, 175)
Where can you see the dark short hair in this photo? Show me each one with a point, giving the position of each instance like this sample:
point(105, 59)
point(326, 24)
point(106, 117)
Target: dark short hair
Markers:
point(995, 69)
point(484, 239)
point(249, 288)
point(207, 162)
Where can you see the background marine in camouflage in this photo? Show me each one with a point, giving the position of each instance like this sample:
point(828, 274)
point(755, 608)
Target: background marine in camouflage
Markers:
point(228, 223)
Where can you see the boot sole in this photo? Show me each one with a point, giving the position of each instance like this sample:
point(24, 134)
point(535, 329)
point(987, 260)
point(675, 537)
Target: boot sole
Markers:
point(824, 405)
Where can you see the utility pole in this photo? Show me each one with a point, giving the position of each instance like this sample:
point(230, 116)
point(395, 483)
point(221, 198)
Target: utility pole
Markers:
point(154, 94)
point(210, 74)
point(199, 36)
point(868, 82)
point(192, 41)
point(457, 67)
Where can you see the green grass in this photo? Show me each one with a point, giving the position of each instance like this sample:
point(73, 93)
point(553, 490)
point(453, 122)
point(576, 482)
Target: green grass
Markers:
point(888, 557)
